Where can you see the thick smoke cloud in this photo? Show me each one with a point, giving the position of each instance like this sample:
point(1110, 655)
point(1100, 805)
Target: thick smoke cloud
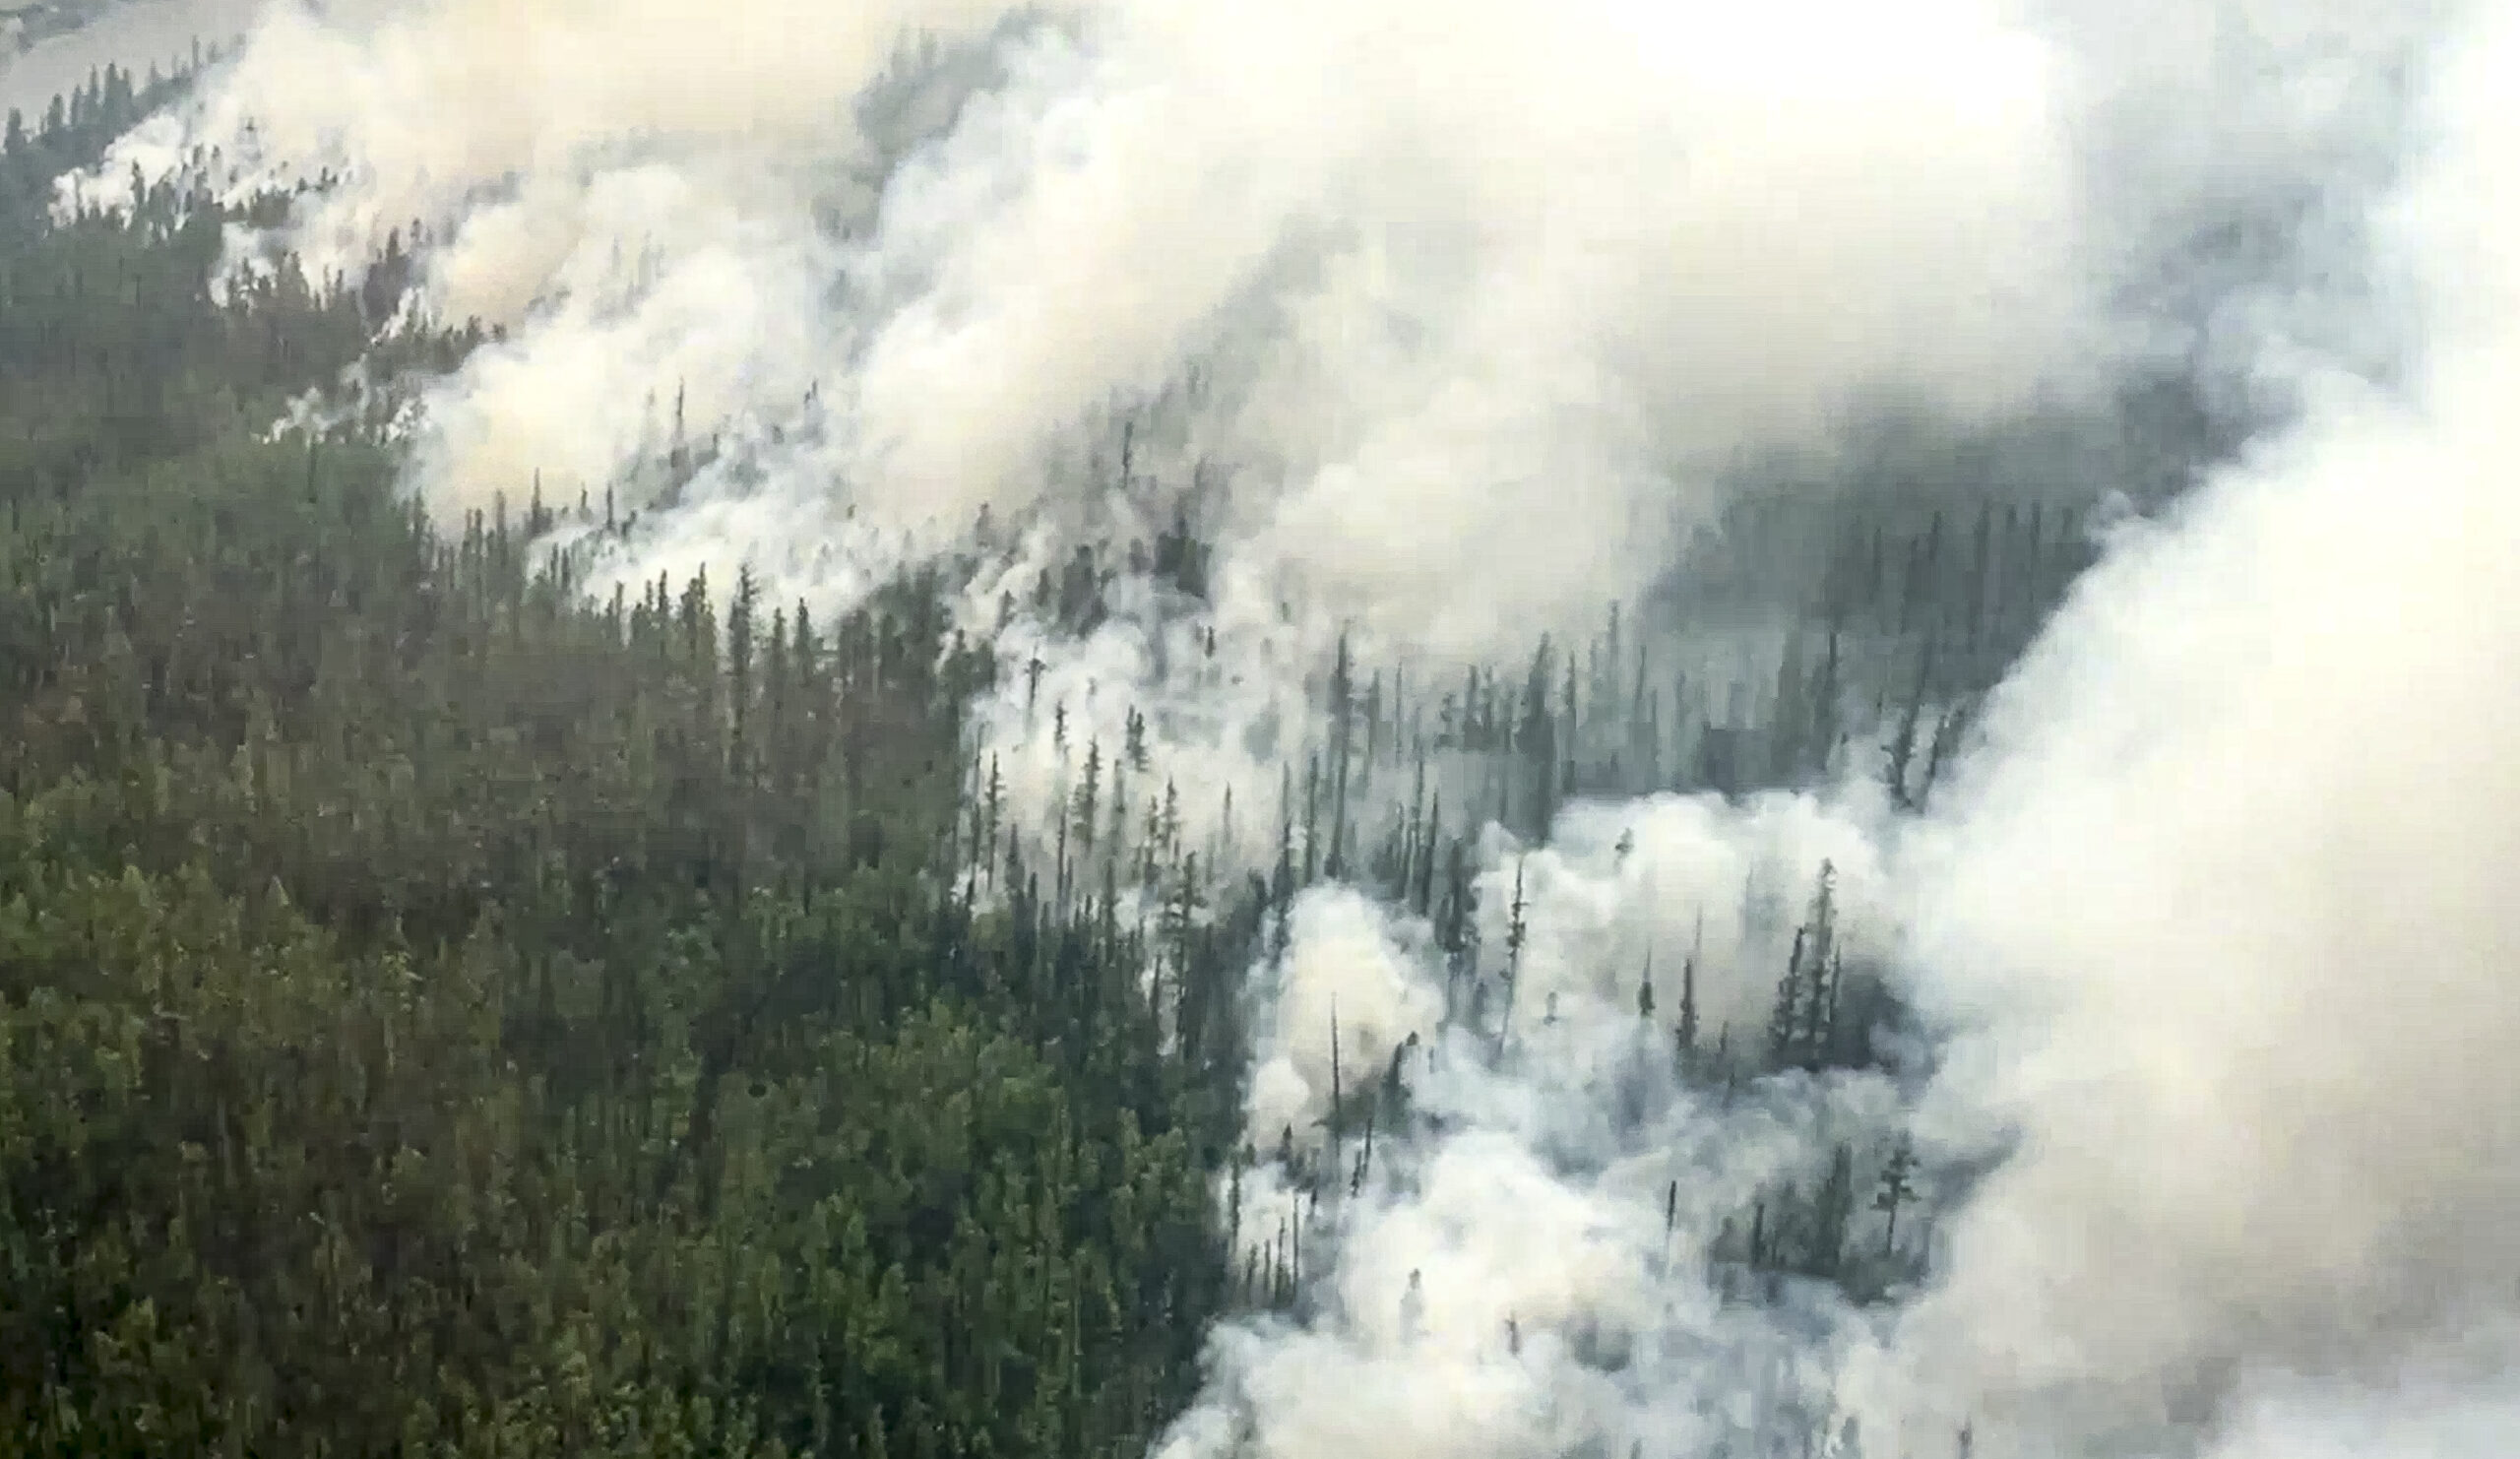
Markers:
point(1443, 271)
point(1459, 270)
point(2221, 905)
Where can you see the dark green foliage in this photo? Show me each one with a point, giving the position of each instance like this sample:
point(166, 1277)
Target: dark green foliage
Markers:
point(438, 1016)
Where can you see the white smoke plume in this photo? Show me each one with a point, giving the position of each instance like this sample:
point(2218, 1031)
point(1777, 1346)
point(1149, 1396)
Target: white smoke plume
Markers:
point(2221, 909)
point(1444, 270)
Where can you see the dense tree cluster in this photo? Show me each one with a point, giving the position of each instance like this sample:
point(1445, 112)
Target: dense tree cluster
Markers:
point(443, 1014)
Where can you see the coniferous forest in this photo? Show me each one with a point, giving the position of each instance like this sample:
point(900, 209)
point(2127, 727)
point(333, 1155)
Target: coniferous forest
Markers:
point(445, 1011)
point(439, 1015)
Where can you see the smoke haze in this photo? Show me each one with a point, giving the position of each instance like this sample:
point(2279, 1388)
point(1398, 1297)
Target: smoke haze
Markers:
point(135, 35)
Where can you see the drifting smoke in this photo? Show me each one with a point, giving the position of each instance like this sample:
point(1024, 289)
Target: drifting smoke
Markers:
point(2223, 898)
point(1440, 271)
point(1450, 321)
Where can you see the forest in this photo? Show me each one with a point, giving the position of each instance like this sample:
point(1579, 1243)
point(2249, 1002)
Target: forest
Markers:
point(445, 1011)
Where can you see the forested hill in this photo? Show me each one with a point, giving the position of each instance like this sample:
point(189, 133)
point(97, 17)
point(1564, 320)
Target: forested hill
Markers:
point(438, 1016)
